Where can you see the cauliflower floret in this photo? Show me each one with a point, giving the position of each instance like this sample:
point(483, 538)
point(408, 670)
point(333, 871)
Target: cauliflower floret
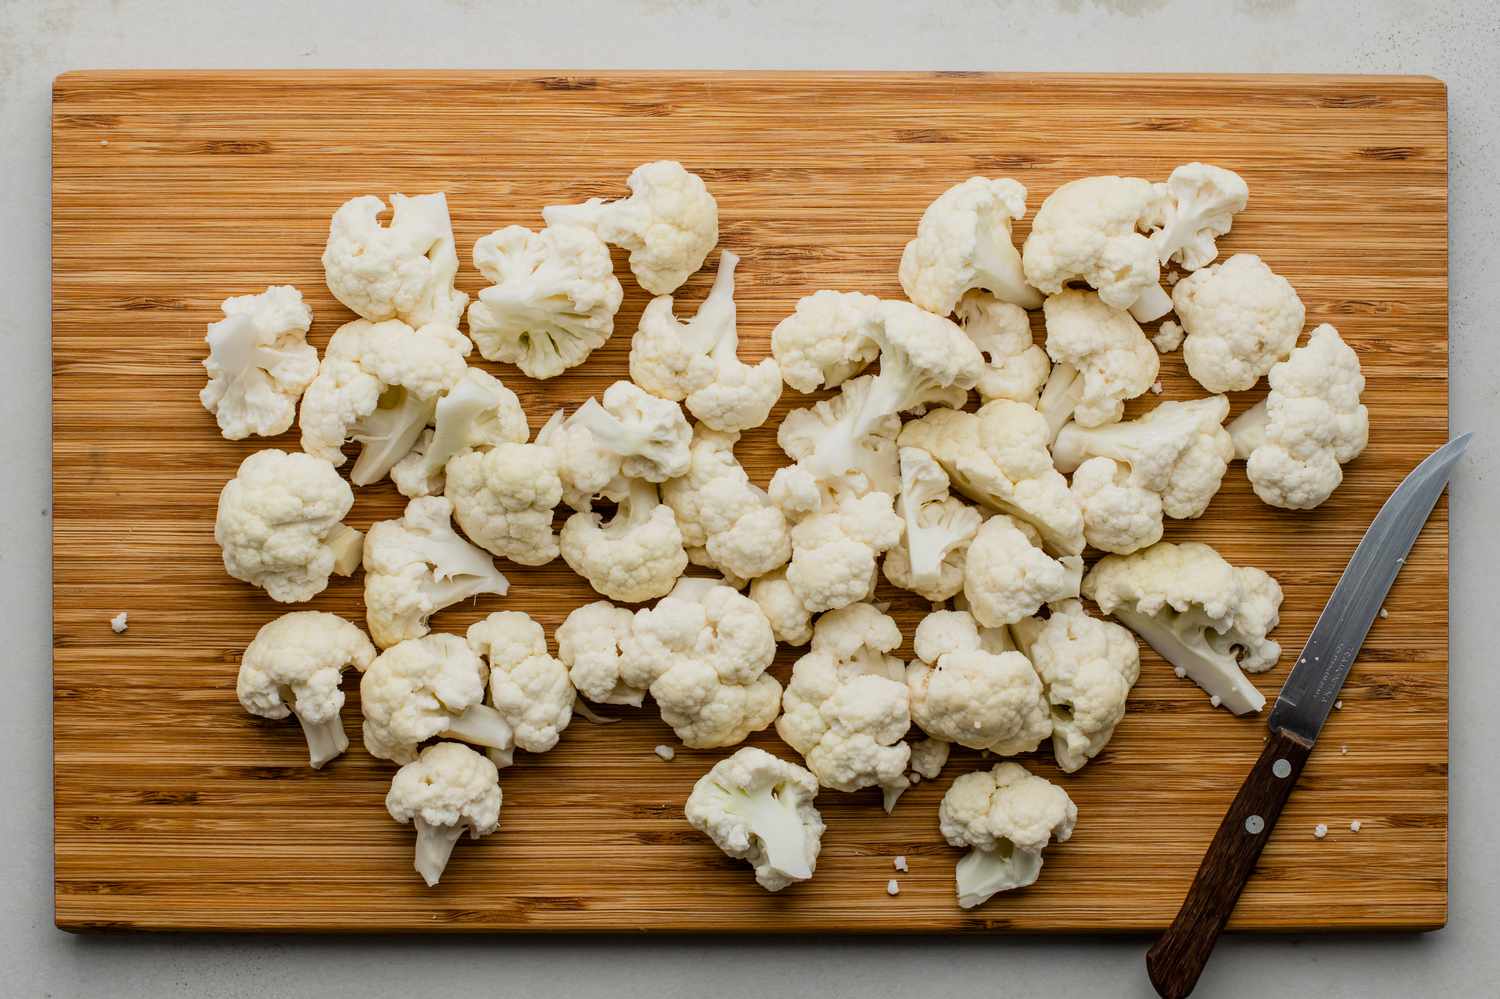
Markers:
point(1202, 202)
point(425, 688)
point(791, 621)
point(448, 789)
point(402, 271)
point(669, 223)
point(698, 361)
point(827, 340)
point(1168, 337)
point(1106, 349)
point(1311, 423)
point(503, 499)
point(529, 688)
point(925, 360)
point(301, 657)
point(1240, 318)
point(998, 457)
point(1092, 230)
point(759, 809)
point(703, 652)
point(973, 696)
point(964, 242)
point(477, 413)
point(379, 385)
point(938, 528)
point(1008, 577)
point(846, 708)
point(1179, 450)
point(647, 437)
point(637, 556)
point(416, 566)
point(1015, 367)
point(1007, 816)
point(278, 525)
point(1118, 515)
point(727, 522)
point(552, 299)
point(588, 643)
point(835, 550)
point(928, 757)
point(1204, 616)
point(874, 459)
point(259, 362)
point(1088, 667)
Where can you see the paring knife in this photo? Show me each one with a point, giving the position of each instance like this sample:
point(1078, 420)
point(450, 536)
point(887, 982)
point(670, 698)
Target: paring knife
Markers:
point(1178, 958)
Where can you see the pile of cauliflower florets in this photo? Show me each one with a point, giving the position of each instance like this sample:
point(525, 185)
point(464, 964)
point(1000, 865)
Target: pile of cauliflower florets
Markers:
point(970, 508)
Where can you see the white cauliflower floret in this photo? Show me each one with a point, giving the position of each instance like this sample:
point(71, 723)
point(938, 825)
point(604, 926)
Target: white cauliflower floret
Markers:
point(1204, 616)
point(873, 459)
point(1298, 438)
point(1118, 515)
point(998, 457)
point(278, 525)
point(1007, 816)
point(703, 651)
point(504, 498)
point(552, 298)
point(791, 621)
point(827, 340)
point(1008, 577)
point(1240, 317)
point(1107, 350)
point(1201, 204)
point(637, 556)
point(259, 362)
point(588, 643)
point(1015, 367)
point(646, 437)
point(846, 708)
point(698, 361)
point(1168, 337)
point(1088, 667)
point(477, 413)
point(963, 243)
point(925, 360)
point(528, 687)
point(1179, 450)
point(973, 696)
point(937, 531)
point(379, 385)
point(402, 271)
point(418, 565)
point(928, 757)
point(759, 809)
point(294, 666)
point(669, 223)
point(1092, 230)
point(447, 790)
point(727, 522)
point(834, 551)
point(426, 688)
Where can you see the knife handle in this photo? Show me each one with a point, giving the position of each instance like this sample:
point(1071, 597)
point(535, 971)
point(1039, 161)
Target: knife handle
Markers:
point(1177, 959)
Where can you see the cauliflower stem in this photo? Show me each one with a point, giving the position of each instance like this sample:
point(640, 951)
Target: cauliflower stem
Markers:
point(387, 434)
point(325, 739)
point(1189, 642)
point(777, 825)
point(434, 846)
point(982, 874)
point(482, 725)
point(348, 548)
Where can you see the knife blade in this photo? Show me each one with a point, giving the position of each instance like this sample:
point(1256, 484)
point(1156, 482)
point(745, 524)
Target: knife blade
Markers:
point(1178, 958)
point(1319, 673)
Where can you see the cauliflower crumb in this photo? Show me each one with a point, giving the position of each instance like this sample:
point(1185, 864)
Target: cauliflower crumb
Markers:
point(1339, 704)
point(1179, 672)
point(665, 752)
point(1343, 750)
point(118, 623)
point(1320, 830)
point(1384, 613)
point(893, 887)
point(901, 865)
point(1354, 826)
point(914, 777)
point(1171, 278)
point(1156, 388)
point(1215, 700)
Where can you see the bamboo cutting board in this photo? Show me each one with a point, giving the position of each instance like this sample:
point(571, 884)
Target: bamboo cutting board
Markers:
point(171, 191)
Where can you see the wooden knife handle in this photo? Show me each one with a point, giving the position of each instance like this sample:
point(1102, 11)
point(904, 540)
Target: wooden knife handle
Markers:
point(1177, 959)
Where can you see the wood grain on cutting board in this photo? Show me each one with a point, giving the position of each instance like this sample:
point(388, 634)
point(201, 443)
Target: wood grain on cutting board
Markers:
point(176, 810)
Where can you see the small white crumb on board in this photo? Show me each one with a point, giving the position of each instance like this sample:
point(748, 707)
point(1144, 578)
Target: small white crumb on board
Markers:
point(1215, 701)
point(1384, 613)
point(900, 863)
point(1156, 388)
point(665, 752)
point(1320, 830)
point(893, 887)
point(119, 623)
point(1339, 704)
point(1354, 826)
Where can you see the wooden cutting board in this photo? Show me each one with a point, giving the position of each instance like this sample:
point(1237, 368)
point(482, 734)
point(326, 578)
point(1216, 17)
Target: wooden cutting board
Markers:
point(171, 191)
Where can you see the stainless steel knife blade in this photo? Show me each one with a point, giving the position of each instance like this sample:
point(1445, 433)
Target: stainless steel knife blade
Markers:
point(1319, 673)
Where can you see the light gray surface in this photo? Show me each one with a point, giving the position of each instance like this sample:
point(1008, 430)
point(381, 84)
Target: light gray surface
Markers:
point(1457, 42)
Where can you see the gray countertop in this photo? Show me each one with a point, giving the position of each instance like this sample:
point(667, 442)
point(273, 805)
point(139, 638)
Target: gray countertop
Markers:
point(1456, 41)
